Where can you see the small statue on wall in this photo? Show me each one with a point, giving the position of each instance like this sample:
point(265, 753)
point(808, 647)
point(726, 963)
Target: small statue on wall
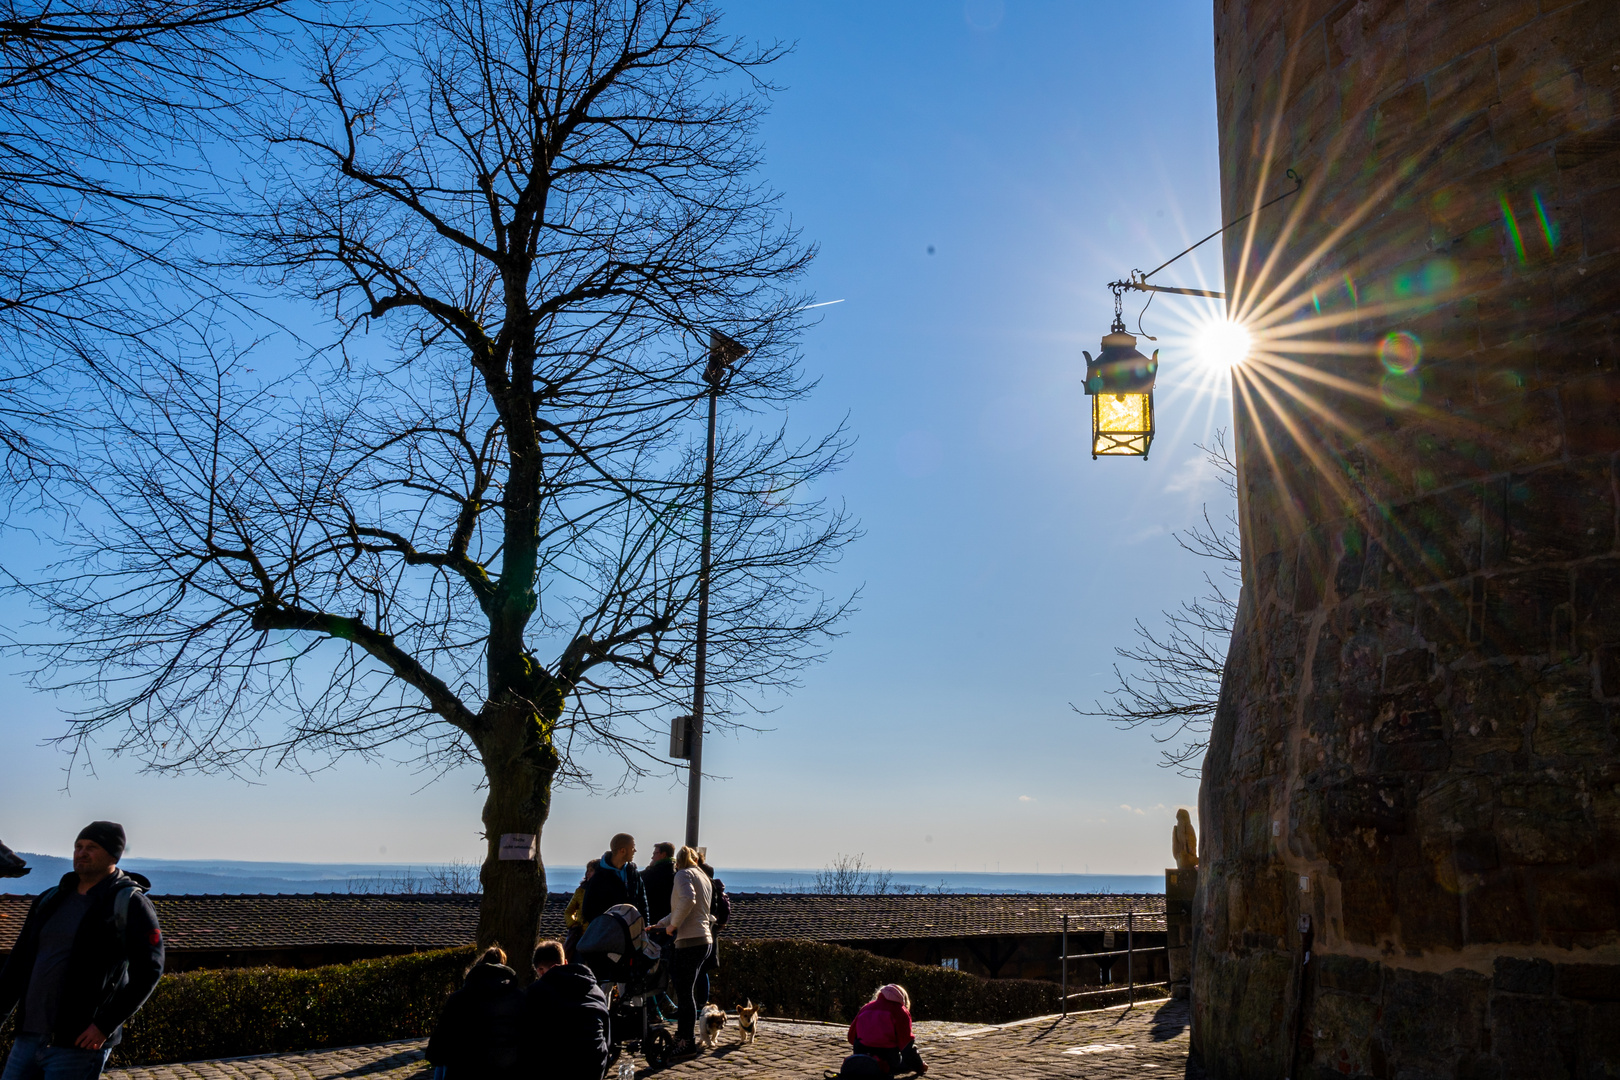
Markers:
point(1184, 842)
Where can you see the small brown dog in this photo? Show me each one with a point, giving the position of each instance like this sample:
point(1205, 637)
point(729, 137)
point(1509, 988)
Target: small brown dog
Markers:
point(747, 1013)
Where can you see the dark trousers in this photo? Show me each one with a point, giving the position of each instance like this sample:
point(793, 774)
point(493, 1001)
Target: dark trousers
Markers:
point(690, 985)
point(905, 1059)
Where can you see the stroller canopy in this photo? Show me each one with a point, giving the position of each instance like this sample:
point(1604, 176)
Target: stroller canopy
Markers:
point(612, 942)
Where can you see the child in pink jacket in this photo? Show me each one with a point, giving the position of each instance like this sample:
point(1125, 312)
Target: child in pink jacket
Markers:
point(882, 1029)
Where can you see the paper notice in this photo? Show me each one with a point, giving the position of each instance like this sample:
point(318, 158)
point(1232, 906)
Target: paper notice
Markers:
point(518, 847)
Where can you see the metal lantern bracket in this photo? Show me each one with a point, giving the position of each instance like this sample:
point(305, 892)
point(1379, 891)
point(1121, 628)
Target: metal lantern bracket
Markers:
point(1138, 280)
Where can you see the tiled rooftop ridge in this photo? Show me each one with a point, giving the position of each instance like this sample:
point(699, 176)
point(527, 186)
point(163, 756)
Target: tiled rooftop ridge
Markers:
point(273, 921)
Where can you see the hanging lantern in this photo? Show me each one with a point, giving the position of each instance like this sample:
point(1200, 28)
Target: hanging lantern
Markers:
point(1120, 384)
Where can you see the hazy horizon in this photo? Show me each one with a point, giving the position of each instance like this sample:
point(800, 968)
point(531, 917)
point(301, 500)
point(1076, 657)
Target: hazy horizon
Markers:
point(228, 877)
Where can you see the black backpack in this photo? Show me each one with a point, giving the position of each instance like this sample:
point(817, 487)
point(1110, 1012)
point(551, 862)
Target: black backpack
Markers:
point(719, 904)
point(121, 900)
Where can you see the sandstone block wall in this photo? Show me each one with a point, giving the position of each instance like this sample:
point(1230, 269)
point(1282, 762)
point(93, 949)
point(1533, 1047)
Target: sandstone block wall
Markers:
point(1419, 739)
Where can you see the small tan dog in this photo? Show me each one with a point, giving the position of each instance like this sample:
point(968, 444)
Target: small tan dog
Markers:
point(747, 1013)
point(709, 1023)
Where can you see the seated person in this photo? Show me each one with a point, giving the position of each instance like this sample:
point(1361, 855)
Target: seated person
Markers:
point(568, 1017)
point(882, 1029)
point(479, 1030)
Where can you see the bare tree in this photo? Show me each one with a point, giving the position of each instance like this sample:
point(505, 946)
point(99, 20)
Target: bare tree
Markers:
point(103, 107)
point(456, 878)
point(851, 875)
point(477, 535)
point(1174, 680)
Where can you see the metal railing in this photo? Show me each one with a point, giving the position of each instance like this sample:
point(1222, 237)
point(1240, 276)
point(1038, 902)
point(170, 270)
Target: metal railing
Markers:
point(1129, 952)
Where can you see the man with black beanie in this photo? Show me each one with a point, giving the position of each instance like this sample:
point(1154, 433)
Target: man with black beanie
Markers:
point(88, 956)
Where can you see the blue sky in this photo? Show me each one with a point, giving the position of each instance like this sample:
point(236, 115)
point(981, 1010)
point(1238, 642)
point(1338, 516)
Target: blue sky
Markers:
point(1039, 149)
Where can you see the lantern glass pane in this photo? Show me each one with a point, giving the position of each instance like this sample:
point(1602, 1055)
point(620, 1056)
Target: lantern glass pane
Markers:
point(1122, 424)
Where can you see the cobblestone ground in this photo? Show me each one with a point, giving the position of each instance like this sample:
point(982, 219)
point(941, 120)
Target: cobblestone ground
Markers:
point(1148, 1040)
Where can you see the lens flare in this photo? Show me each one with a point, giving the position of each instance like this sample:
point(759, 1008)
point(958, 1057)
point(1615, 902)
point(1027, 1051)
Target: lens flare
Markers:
point(1224, 344)
point(1400, 352)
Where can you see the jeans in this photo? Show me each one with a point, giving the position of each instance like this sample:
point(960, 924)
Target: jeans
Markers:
point(902, 1060)
point(690, 985)
point(31, 1059)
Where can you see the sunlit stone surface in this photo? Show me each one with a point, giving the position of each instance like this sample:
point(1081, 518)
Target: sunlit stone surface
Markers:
point(1417, 740)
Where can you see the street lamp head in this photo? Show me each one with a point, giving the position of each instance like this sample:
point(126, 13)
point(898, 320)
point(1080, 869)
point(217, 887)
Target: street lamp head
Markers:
point(1120, 384)
point(1120, 367)
point(723, 352)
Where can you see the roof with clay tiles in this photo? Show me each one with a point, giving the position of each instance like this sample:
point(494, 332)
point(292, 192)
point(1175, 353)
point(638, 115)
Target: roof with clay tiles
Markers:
point(195, 923)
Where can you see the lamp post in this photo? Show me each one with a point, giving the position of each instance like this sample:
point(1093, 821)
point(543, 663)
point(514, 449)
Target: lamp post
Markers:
point(723, 351)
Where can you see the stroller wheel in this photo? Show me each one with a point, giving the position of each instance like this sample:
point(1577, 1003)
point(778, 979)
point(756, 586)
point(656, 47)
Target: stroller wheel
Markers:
point(658, 1047)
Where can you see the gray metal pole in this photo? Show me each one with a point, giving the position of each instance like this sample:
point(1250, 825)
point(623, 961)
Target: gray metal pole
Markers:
point(1130, 954)
point(1065, 965)
point(694, 782)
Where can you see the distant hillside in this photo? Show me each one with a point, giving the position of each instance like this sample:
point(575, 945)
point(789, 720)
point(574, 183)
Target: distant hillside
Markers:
point(197, 877)
point(224, 876)
point(46, 870)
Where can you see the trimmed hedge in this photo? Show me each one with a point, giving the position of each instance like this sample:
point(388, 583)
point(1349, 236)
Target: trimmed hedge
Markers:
point(807, 980)
point(230, 1012)
point(233, 1012)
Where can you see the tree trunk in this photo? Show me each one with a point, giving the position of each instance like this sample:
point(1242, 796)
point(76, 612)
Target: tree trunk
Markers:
point(519, 763)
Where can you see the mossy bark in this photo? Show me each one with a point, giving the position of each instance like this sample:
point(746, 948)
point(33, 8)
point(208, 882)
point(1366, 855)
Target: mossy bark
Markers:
point(519, 763)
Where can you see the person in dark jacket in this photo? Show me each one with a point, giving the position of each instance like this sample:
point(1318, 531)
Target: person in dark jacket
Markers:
point(616, 881)
point(659, 881)
point(88, 955)
point(480, 1030)
point(568, 1018)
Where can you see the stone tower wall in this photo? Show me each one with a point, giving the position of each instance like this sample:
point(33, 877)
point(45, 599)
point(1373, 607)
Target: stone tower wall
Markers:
point(1417, 741)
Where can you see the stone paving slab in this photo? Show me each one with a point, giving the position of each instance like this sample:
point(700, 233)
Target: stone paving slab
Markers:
point(1147, 1040)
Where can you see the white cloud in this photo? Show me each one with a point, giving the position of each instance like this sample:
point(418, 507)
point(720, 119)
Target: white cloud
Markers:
point(1191, 476)
point(1026, 798)
point(1131, 809)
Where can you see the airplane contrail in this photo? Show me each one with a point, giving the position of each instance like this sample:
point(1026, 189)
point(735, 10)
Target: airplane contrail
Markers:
point(824, 303)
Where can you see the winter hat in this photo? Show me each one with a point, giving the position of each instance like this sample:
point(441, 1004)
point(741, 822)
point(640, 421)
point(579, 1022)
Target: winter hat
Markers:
point(109, 834)
point(893, 993)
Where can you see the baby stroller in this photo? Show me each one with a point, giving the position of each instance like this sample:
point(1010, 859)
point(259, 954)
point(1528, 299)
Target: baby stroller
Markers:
point(632, 972)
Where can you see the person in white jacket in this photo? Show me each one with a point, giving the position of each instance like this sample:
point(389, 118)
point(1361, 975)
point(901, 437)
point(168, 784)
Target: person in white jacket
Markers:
point(691, 925)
